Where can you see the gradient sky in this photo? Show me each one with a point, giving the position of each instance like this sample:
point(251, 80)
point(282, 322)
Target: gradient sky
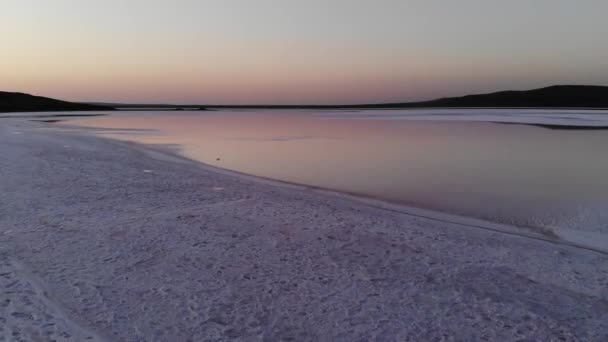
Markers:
point(297, 51)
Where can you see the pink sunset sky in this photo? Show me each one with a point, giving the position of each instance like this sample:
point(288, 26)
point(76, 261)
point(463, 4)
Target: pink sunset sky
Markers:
point(297, 52)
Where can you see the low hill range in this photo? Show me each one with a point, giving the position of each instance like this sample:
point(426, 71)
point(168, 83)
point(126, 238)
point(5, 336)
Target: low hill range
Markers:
point(559, 96)
point(20, 102)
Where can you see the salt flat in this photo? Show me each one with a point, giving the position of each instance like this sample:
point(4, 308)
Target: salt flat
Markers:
point(109, 240)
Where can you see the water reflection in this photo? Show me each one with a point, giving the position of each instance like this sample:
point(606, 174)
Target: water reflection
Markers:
point(509, 173)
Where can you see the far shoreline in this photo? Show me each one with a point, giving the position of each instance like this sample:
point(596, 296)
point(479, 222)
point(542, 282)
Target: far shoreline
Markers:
point(582, 97)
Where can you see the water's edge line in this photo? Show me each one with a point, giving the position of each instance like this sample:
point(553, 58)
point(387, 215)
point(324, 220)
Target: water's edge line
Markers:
point(172, 155)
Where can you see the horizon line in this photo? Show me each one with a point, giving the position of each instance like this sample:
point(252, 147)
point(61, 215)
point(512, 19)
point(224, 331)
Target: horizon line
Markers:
point(266, 105)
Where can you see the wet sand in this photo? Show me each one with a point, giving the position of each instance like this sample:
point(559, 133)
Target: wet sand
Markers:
point(107, 240)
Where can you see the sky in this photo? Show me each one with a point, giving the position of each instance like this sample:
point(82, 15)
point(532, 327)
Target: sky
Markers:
point(297, 51)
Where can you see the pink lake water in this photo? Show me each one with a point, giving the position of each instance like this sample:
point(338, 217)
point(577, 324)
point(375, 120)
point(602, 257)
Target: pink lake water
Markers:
point(466, 165)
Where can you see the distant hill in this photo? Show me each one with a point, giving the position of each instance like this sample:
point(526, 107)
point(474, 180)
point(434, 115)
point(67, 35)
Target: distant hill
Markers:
point(549, 97)
point(559, 96)
point(19, 102)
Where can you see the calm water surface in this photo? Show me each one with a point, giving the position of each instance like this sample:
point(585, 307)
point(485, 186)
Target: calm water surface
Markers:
point(509, 173)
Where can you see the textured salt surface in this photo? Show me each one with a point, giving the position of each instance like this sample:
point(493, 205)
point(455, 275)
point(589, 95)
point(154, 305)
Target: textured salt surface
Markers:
point(28, 314)
point(183, 253)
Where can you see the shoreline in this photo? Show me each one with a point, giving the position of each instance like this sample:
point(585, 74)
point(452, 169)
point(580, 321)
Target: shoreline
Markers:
point(596, 242)
point(136, 246)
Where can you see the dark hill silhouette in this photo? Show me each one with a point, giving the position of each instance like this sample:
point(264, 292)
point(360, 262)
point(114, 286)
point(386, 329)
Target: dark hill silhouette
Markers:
point(559, 96)
point(554, 96)
point(19, 102)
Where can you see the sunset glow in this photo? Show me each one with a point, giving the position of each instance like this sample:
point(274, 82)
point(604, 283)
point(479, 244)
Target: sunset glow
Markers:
point(296, 52)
